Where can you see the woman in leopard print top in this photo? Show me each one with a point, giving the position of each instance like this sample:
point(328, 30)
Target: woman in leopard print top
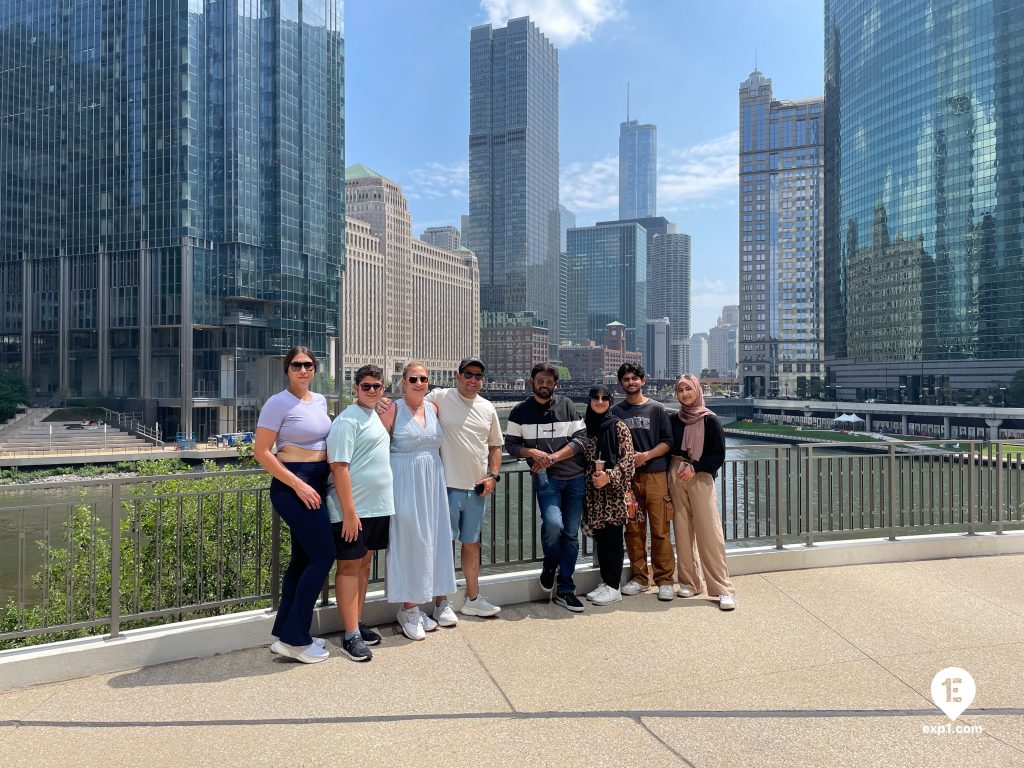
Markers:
point(605, 510)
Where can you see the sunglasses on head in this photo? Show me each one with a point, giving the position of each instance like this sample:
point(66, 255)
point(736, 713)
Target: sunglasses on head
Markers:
point(601, 397)
point(417, 379)
point(469, 375)
point(371, 387)
point(308, 365)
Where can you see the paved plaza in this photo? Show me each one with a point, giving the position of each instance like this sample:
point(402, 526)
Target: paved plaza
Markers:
point(826, 667)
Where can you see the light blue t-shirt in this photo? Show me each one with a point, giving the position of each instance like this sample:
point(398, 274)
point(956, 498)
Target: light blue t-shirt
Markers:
point(302, 423)
point(359, 438)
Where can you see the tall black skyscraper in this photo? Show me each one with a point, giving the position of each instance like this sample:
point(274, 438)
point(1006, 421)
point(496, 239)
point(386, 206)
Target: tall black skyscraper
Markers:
point(513, 170)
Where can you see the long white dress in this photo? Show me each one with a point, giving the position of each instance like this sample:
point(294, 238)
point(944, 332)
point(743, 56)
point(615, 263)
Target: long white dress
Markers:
point(419, 563)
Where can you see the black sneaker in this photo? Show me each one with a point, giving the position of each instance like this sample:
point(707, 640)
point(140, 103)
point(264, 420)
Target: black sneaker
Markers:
point(547, 579)
point(569, 601)
point(356, 649)
point(370, 636)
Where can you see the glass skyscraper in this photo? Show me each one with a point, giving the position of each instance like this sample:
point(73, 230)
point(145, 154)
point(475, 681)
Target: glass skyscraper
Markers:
point(638, 170)
point(611, 262)
point(781, 232)
point(173, 203)
point(924, 140)
point(513, 170)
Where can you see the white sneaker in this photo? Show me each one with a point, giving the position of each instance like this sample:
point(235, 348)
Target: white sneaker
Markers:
point(608, 596)
point(632, 587)
point(275, 647)
point(727, 602)
point(445, 615)
point(479, 607)
point(409, 621)
point(666, 592)
point(307, 654)
point(685, 592)
point(428, 624)
point(596, 591)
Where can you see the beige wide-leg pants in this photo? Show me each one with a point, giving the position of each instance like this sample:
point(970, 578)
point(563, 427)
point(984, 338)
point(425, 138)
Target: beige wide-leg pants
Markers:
point(700, 543)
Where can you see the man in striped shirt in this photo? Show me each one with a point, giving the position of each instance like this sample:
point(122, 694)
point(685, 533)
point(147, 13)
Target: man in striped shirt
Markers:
point(546, 431)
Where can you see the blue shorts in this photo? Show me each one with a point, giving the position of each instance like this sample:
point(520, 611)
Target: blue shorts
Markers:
point(466, 510)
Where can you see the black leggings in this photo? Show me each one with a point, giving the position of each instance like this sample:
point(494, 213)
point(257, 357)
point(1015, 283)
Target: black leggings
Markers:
point(610, 549)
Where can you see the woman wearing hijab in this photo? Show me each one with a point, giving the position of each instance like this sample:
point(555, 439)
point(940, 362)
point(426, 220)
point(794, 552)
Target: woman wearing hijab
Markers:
point(698, 453)
point(609, 455)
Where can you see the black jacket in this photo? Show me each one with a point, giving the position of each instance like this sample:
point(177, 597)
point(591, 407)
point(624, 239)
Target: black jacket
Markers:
point(714, 444)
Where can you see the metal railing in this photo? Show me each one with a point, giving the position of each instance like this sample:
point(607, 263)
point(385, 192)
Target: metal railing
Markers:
point(90, 557)
point(131, 423)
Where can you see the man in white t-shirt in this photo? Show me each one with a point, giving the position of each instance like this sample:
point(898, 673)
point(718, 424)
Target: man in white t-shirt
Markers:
point(471, 454)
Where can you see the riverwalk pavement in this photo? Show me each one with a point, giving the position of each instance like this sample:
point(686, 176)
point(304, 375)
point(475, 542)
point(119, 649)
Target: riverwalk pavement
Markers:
point(826, 667)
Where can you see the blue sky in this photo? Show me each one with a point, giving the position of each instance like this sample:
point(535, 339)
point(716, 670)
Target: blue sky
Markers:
point(407, 103)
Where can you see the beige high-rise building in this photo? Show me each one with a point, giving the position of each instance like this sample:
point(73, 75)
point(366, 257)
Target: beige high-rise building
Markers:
point(402, 298)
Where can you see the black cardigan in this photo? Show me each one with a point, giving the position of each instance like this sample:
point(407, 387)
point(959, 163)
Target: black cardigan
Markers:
point(713, 457)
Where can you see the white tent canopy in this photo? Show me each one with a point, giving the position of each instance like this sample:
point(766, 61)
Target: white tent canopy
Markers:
point(849, 418)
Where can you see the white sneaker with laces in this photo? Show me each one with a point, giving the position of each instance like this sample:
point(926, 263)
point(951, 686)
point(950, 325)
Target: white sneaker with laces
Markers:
point(409, 621)
point(596, 591)
point(444, 614)
point(666, 592)
point(479, 607)
point(632, 587)
point(727, 602)
point(608, 596)
point(428, 624)
point(685, 592)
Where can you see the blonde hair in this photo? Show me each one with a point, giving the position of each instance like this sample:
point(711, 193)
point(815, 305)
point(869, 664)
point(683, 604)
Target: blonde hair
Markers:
point(409, 366)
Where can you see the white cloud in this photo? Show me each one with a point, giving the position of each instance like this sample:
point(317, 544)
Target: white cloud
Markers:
point(592, 186)
point(564, 22)
point(713, 294)
point(437, 180)
point(699, 172)
point(701, 177)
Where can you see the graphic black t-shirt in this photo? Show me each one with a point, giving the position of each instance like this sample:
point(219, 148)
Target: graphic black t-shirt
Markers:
point(649, 425)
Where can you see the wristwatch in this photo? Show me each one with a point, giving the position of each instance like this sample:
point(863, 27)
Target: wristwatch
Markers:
point(494, 477)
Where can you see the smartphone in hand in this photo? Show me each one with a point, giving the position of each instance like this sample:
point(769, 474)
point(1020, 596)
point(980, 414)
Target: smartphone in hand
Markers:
point(478, 489)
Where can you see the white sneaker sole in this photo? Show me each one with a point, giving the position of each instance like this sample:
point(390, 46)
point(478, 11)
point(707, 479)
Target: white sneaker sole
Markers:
point(275, 647)
point(450, 622)
point(281, 649)
point(609, 600)
point(477, 612)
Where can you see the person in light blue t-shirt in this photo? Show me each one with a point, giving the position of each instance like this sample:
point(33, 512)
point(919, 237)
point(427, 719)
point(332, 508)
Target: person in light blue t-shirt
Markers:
point(360, 501)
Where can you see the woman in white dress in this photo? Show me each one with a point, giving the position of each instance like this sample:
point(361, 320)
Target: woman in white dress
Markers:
point(419, 564)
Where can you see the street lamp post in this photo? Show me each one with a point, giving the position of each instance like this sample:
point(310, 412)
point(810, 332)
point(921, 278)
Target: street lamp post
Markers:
point(1002, 397)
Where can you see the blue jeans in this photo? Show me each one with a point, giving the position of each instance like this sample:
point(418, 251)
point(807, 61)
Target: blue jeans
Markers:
point(561, 510)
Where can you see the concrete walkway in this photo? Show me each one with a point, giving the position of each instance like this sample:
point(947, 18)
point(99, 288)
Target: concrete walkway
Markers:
point(828, 667)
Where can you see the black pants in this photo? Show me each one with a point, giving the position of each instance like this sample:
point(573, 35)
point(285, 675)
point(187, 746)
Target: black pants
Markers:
point(610, 549)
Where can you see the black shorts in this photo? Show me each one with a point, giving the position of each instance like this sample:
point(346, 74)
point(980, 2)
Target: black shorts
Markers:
point(373, 535)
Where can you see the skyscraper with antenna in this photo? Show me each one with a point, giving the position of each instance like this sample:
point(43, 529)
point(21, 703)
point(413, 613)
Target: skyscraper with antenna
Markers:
point(638, 168)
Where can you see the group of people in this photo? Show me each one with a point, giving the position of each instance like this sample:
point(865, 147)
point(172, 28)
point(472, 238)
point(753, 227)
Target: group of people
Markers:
point(412, 475)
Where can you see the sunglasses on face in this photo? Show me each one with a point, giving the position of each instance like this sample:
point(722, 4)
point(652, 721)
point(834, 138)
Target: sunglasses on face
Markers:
point(477, 376)
point(307, 365)
point(601, 398)
point(417, 379)
point(371, 387)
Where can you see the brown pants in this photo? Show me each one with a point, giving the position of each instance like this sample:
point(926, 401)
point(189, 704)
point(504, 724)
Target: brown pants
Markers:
point(651, 489)
point(700, 543)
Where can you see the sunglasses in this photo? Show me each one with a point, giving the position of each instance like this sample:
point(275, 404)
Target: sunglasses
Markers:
point(603, 398)
point(417, 379)
point(307, 365)
point(371, 387)
point(477, 376)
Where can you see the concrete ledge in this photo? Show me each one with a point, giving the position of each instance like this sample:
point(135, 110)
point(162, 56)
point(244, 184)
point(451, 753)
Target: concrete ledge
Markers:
point(206, 637)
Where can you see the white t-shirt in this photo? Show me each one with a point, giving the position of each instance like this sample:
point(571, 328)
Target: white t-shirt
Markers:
point(469, 427)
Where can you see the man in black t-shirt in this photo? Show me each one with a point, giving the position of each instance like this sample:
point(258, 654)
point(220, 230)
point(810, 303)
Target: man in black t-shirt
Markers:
point(651, 429)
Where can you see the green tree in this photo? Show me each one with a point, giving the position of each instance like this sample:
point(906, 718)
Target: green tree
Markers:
point(563, 373)
point(13, 390)
point(184, 541)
